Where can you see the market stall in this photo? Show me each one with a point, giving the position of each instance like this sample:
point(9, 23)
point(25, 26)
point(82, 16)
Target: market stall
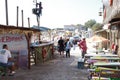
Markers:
point(19, 41)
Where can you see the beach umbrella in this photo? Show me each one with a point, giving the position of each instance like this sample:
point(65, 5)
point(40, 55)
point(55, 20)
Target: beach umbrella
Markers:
point(98, 39)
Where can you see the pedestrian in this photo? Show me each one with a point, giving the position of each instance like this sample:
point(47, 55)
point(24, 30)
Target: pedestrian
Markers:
point(61, 46)
point(112, 47)
point(83, 46)
point(68, 46)
point(6, 59)
point(74, 45)
point(115, 51)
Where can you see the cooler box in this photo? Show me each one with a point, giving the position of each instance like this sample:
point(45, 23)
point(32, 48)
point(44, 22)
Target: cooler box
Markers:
point(80, 64)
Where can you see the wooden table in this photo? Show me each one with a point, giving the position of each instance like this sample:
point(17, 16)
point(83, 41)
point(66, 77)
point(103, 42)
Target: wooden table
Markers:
point(109, 59)
point(101, 55)
point(108, 64)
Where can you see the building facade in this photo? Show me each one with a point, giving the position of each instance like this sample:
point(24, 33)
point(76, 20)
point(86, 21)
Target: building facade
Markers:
point(111, 15)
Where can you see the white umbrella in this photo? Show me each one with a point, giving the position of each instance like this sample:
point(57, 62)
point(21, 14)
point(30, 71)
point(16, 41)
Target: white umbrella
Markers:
point(98, 39)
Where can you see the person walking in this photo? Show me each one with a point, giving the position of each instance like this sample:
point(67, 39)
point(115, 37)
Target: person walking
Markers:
point(83, 47)
point(68, 46)
point(61, 46)
point(112, 47)
point(74, 45)
point(115, 51)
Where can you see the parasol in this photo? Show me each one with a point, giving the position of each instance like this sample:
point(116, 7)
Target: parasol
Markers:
point(98, 39)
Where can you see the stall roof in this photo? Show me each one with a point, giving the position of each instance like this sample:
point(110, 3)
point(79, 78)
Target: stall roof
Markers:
point(6, 27)
point(41, 28)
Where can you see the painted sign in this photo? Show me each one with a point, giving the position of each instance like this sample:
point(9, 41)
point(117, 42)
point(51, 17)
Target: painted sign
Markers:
point(18, 46)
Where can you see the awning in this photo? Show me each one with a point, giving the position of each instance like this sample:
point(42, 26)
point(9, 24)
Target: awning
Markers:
point(97, 38)
point(41, 28)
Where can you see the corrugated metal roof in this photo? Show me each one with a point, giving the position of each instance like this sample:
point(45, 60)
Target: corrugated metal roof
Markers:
point(41, 28)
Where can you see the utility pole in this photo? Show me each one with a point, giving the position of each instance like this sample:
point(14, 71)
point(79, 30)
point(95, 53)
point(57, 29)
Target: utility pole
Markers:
point(17, 16)
point(6, 6)
point(37, 11)
point(22, 18)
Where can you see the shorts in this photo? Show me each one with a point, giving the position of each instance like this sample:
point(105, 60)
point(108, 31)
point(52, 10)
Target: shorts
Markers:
point(9, 64)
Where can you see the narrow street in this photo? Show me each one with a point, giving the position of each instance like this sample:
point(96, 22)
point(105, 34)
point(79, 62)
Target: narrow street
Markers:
point(57, 69)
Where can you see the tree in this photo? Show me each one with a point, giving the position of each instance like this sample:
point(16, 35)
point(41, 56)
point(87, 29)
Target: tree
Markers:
point(90, 23)
point(93, 25)
point(96, 27)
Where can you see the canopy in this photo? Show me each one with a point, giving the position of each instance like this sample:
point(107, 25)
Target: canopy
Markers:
point(98, 39)
point(41, 28)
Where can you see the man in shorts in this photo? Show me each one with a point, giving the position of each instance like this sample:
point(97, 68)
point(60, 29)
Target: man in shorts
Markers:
point(6, 59)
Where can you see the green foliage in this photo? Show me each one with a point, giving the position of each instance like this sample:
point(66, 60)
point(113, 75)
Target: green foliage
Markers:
point(79, 25)
point(93, 25)
point(90, 23)
point(97, 26)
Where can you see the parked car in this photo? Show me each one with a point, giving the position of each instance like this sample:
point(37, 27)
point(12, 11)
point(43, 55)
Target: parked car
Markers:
point(76, 38)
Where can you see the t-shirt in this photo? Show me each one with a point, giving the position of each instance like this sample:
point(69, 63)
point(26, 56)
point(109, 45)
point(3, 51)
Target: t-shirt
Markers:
point(83, 45)
point(61, 43)
point(68, 45)
point(4, 55)
point(113, 46)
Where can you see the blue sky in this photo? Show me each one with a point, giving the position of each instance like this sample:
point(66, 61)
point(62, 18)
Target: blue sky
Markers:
point(56, 13)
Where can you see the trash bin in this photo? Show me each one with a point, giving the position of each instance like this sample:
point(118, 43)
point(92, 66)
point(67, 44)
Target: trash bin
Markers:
point(80, 63)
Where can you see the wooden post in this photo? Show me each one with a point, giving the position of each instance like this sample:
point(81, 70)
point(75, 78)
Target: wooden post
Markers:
point(28, 22)
point(28, 53)
point(27, 38)
point(6, 5)
point(17, 16)
point(110, 39)
point(22, 19)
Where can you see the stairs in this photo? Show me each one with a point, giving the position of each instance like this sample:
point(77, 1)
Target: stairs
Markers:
point(32, 57)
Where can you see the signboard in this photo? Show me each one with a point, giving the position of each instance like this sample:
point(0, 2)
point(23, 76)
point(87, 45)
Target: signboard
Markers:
point(18, 46)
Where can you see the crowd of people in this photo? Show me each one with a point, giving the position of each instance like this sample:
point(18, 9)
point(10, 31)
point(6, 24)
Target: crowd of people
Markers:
point(66, 45)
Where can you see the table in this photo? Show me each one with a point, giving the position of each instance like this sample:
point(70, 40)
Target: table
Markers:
point(108, 64)
point(109, 59)
point(102, 55)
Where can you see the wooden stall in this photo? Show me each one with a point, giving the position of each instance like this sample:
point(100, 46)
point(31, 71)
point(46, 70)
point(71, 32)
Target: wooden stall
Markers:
point(20, 40)
point(42, 52)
